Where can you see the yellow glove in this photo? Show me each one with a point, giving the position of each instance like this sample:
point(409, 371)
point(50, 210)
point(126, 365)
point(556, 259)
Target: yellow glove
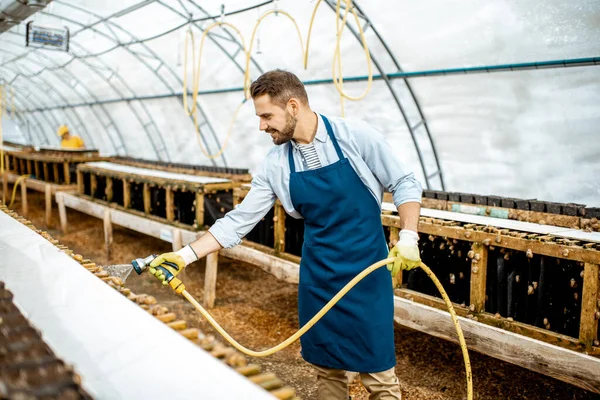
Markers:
point(406, 251)
point(168, 265)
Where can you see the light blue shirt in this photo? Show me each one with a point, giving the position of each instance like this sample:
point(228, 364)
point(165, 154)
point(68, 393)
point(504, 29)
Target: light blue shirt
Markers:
point(365, 147)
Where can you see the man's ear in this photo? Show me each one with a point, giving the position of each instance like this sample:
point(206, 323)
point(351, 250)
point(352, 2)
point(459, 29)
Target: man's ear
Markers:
point(293, 106)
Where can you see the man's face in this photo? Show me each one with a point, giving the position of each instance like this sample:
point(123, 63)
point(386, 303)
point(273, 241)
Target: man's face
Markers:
point(274, 120)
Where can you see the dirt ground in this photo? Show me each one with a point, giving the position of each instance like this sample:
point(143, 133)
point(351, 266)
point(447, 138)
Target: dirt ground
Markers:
point(260, 311)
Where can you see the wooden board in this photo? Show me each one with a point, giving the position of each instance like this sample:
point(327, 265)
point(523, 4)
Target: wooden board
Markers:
point(566, 365)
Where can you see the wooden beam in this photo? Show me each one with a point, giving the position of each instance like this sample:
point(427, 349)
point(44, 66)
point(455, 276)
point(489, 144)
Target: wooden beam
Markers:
point(62, 211)
point(24, 208)
point(146, 195)
point(510, 242)
point(55, 170)
point(575, 368)
point(46, 173)
point(588, 328)
point(108, 234)
point(479, 264)
point(210, 279)
point(80, 184)
point(36, 169)
point(126, 193)
point(279, 228)
point(394, 236)
point(30, 168)
point(67, 173)
point(93, 185)
point(507, 324)
point(170, 204)
point(48, 195)
point(200, 210)
point(109, 189)
point(4, 186)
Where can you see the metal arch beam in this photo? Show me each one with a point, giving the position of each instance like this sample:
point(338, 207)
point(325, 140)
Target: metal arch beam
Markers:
point(411, 127)
point(162, 64)
point(106, 113)
point(38, 126)
point(114, 73)
point(59, 95)
point(140, 59)
point(67, 84)
point(211, 37)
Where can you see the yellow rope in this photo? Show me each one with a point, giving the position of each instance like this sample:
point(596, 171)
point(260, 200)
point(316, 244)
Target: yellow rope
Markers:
point(328, 306)
point(14, 193)
point(336, 65)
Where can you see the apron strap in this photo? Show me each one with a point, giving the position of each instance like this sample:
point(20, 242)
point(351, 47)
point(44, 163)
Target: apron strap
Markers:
point(291, 157)
point(338, 150)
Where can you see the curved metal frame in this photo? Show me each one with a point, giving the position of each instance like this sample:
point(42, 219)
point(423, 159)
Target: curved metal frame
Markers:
point(80, 126)
point(424, 143)
point(411, 125)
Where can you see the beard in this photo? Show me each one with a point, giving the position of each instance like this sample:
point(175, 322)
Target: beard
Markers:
point(284, 135)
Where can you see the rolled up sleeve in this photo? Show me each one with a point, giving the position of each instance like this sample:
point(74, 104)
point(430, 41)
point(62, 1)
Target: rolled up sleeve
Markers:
point(393, 175)
point(237, 223)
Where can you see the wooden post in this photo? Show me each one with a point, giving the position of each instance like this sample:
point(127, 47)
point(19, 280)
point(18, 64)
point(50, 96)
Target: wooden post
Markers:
point(210, 279)
point(48, 193)
point(36, 165)
point(24, 196)
point(588, 328)
point(170, 204)
point(93, 185)
point(200, 210)
point(55, 169)
point(67, 173)
point(109, 189)
point(46, 174)
point(146, 193)
point(394, 236)
point(80, 184)
point(279, 227)
point(478, 277)
point(22, 167)
point(4, 186)
point(62, 211)
point(126, 194)
point(29, 167)
point(108, 234)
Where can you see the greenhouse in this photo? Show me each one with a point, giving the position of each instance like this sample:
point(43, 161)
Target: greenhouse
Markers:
point(187, 199)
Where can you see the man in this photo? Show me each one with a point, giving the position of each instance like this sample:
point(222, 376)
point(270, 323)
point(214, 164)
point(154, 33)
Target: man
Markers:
point(332, 172)
point(68, 141)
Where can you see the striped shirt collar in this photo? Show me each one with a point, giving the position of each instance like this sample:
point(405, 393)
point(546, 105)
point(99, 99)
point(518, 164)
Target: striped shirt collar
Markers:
point(321, 134)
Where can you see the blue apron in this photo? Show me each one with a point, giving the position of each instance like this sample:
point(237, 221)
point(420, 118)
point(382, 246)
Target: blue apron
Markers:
point(343, 235)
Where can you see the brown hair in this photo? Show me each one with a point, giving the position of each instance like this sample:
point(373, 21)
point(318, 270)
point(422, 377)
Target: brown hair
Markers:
point(281, 86)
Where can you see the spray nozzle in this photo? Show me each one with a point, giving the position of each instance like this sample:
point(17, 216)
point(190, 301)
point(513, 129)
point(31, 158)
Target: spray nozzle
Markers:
point(140, 264)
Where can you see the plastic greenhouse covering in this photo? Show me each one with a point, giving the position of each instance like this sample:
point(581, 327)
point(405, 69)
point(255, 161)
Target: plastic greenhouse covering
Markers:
point(515, 111)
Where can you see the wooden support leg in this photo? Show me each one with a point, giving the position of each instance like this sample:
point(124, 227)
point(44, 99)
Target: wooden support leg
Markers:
point(210, 279)
point(279, 228)
point(48, 192)
point(24, 197)
point(478, 277)
point(4, 186)
point(394, 235)
point(588, 328)
point(62, 212)
point(108, 234)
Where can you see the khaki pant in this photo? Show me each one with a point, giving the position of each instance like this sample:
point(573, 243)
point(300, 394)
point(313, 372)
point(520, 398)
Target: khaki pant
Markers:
point(333, 384)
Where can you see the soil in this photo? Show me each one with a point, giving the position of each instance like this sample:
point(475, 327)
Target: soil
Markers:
point(260, 311)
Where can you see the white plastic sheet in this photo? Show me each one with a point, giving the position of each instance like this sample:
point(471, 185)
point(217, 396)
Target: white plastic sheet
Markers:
point(120, 351)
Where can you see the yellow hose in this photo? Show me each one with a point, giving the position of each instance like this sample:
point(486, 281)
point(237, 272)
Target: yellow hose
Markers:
point(336, 65)
point(14, 193)
point(463, 345)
